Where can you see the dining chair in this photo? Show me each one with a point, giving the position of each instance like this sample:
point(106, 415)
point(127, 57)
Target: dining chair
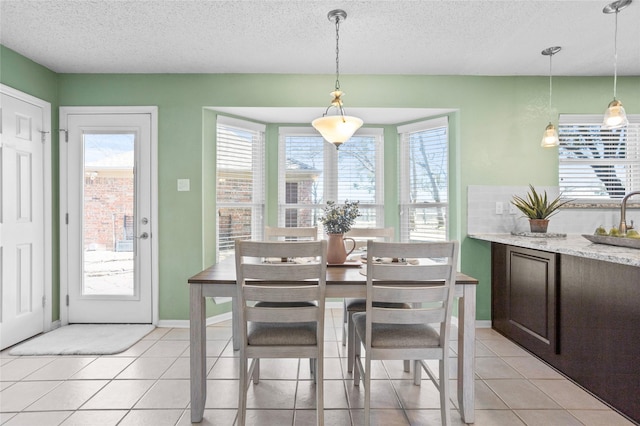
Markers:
point(351, 305)
point(417, 334)
point(271, 329)
point(290, 233)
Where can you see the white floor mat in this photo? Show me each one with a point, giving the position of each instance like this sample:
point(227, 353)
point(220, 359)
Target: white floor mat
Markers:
point(84, 339)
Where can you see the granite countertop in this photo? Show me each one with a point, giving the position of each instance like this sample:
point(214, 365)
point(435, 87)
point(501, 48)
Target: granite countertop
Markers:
point(573, 244)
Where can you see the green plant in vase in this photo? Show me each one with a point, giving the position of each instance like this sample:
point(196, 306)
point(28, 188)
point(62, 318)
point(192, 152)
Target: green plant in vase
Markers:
point(337, 220)
point(538, 208)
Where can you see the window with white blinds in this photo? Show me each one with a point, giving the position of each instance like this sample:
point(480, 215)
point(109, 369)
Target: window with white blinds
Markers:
point(424, 180)
point(312, 172)
point(239, 182)
point(596, 163)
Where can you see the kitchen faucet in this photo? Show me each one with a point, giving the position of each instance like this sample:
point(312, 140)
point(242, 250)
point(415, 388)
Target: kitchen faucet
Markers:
point(623, 212)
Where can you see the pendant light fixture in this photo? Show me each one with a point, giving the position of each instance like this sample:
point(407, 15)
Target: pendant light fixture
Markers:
point(550, 136)
point(337, 129)
point(615, 115)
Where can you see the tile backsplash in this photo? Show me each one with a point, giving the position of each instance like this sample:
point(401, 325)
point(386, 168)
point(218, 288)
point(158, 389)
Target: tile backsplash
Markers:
point(484, 202)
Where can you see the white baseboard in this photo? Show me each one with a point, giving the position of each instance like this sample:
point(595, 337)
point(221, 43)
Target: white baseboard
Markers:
point(483, 323)
point(185, 323)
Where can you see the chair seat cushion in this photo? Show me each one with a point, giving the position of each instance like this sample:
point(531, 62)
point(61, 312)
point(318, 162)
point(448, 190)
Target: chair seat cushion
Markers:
point(359, 305)
point(281, 334)
point(397, 335)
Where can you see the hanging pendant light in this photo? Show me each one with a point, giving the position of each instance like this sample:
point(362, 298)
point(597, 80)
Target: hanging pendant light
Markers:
point(615, 115)
point(337, 129)
point(550, 136)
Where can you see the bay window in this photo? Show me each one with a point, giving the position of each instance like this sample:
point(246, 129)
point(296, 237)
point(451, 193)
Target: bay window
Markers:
point(312, 172)
point(239, 182)
point(424, 180)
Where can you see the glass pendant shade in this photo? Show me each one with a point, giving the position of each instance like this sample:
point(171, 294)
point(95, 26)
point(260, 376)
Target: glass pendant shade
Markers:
point(550, 137)
point(337, 129)
point(615, 116)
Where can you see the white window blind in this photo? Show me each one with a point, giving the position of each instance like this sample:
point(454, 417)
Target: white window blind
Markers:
point(239, 182)
point(313, 172)
point(596, 163)
point(424, 180)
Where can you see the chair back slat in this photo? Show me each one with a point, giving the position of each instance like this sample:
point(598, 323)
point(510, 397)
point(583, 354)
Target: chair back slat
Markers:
point(290, 233)
point(408, 316)
point(397, 294)
point(279, 249)
point(362, 235)
point(272, 293)
point(431, 250)
point(282, 315)
point(401, 272)
point(280, 271)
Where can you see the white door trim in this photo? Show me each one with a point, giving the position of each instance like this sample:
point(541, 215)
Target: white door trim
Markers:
point(48, 212)
point(64, 271)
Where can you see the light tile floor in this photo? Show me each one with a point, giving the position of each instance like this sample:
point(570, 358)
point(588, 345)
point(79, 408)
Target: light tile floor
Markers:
point(149, 385)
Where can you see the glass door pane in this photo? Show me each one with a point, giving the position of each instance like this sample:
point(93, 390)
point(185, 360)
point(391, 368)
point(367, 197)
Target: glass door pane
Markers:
point(109, 214)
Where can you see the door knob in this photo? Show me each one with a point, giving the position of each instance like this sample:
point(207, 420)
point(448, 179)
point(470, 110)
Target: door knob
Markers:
point(144, 235)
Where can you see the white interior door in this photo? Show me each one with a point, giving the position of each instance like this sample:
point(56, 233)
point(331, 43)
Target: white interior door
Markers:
point(25, 269)
point(108, 216)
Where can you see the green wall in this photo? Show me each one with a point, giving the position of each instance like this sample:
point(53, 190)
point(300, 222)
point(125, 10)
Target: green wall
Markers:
point(495, 130)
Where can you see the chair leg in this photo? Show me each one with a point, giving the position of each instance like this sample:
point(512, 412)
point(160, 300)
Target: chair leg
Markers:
point(344, 322)
point(350, 342)
point(319, 381)
point(417, 373)
point(367, 391)
point(315, 362)
point(407, 365)
point(256, 372)
point(356, 354)
point(312, 365)
point(242, 391)
point(445, 408)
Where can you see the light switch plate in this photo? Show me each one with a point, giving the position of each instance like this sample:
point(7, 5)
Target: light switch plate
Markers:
point(184, 185)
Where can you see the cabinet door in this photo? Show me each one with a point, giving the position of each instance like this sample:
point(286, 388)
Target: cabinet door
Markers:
point(531, 309)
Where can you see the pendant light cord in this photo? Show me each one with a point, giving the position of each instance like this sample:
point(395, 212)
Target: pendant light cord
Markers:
point(550, 86)
point(615, 57)
point(337, 53)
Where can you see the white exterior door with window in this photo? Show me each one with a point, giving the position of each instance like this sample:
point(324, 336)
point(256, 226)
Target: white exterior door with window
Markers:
point(108, 214)
point(25, 216)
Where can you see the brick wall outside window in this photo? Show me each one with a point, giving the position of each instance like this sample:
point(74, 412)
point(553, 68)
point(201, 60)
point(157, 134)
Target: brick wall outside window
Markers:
point(107, 200)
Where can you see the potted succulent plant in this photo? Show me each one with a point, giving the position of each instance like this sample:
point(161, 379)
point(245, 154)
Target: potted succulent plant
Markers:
point(538, 208)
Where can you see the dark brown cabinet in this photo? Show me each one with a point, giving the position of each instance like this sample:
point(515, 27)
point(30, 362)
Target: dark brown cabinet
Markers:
point(526, 309)
point(580, 315)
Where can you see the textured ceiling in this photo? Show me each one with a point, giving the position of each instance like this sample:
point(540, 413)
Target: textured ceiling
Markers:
point(378, 37)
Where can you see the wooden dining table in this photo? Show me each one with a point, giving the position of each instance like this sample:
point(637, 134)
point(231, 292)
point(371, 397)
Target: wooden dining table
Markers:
point(219, 280)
